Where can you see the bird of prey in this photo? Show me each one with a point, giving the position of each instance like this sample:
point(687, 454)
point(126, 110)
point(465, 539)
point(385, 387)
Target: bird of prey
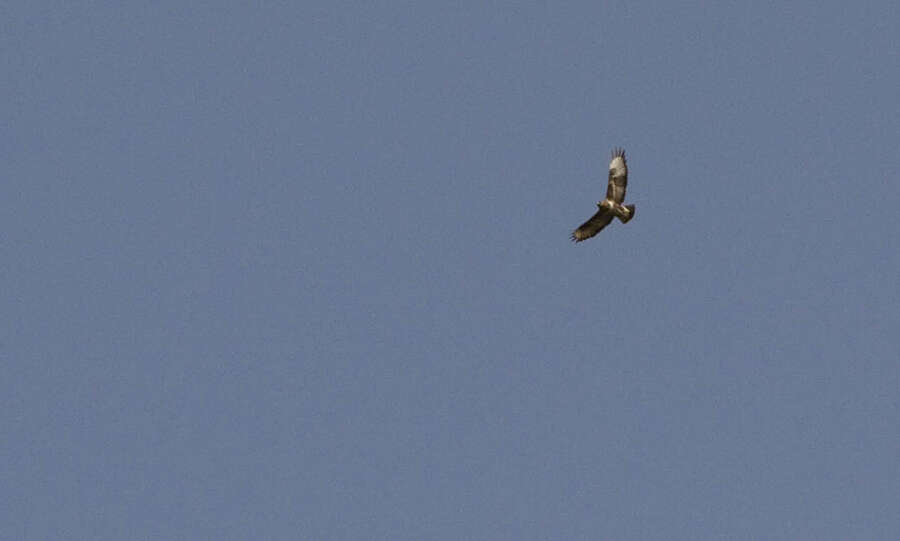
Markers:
point(611, 206)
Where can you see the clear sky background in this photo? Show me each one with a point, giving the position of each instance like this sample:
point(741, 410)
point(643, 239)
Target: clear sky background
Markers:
point(302, 271)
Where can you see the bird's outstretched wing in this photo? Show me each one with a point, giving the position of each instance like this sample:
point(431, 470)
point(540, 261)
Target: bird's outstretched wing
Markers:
point(618, 177)
point(593, 226)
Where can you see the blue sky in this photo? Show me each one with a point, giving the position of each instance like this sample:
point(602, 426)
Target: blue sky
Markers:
point(302, 271)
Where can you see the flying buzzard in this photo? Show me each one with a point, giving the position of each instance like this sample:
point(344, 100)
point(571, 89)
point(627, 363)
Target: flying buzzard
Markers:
point(611, 206)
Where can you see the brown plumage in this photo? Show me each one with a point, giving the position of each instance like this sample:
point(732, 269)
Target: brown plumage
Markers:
point(612, 206)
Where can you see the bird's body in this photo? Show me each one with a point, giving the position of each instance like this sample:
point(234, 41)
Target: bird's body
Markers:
point(612, 206)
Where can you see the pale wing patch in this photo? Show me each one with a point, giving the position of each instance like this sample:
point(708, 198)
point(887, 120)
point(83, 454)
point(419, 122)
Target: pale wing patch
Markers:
point(617, 167)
